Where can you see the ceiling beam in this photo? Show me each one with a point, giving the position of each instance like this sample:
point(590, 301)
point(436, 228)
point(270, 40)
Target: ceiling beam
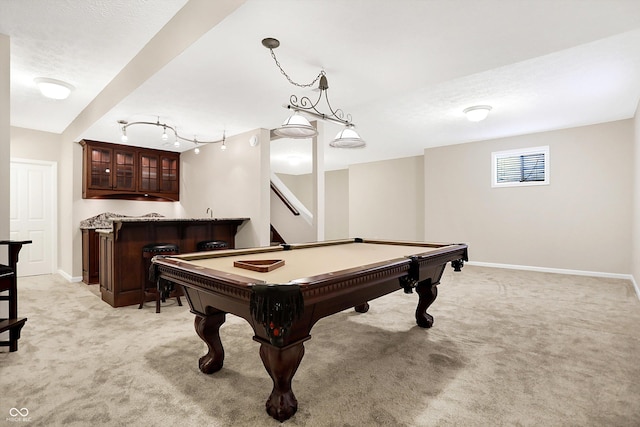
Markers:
point(191, 22)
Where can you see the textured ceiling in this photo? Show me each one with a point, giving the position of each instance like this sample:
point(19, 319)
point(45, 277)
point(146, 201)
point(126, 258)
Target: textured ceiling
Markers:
point(403, 69)
point(85, 43)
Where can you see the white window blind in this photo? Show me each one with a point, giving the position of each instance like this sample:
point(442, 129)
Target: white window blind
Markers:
point(528, 166)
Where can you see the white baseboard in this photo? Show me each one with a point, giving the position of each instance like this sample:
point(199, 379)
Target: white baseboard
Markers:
point(561, 271)
point(635, 286)
point(69, 278)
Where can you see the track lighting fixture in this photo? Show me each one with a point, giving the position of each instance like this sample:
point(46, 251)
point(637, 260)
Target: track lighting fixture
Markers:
point(165, 136)
point(223, 147)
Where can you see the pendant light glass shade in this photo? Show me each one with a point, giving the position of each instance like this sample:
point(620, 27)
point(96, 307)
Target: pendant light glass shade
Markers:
point(348, 138)
point(296, 126)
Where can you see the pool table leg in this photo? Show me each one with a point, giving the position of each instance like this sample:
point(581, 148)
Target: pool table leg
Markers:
point(208, 329)
point(281, 363)
point(427, 293)
point(362, 308)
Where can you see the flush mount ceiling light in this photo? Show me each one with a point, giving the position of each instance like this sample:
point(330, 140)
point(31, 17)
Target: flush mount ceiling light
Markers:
point(477, 113)
point(297, 126)
point(52, 88)
point(165, 137)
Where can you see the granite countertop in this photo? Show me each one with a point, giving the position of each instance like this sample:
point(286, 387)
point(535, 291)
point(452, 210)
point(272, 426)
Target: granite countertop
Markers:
point(148, 219)
point(103, 223)
point(105, 220)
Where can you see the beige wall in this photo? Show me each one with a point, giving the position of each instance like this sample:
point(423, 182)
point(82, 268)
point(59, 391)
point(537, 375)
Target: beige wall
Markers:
point(234, 183)
point(581, 221)
point(386, 199)
point(35, 145)
point(336, 187)
point(300, 186)
point(635, 252)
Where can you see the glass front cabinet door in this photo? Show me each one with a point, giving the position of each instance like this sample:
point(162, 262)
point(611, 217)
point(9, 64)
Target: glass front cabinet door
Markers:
point(148, 179)
point(99, 160)
point(124, 166)
point(169, 174)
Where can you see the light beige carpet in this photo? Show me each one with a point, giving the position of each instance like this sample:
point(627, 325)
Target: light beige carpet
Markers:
point(508, 348)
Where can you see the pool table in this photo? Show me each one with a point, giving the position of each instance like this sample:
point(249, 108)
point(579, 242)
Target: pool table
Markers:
point(282, 291)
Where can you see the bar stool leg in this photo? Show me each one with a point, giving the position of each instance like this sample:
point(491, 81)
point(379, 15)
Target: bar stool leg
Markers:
point(143, 295)
point(158, 297)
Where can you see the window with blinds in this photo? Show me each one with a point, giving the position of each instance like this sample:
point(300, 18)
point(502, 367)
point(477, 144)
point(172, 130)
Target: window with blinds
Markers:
point(529, 166)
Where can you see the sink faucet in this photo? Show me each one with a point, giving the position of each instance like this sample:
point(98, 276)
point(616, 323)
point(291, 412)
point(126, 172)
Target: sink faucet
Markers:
point(210, 212)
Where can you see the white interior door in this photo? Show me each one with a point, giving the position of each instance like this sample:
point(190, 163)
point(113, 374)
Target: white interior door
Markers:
point(33, 214)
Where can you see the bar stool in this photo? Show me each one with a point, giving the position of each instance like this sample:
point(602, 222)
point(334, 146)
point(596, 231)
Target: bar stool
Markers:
point(211, 245)
point(164, 289)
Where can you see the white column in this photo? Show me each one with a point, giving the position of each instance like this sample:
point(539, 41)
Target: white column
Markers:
point(318, 182)
point(5, 145)
point(264, 146)
point(5, 162)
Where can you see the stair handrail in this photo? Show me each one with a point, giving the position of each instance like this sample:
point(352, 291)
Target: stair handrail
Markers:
point(286, 201)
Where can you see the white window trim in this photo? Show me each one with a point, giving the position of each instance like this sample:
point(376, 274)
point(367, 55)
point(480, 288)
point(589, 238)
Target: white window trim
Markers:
point(519, 152)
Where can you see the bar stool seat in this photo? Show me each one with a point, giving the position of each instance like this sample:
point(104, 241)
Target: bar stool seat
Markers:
point(161, 248)
point(164, 289)
point(211, 245)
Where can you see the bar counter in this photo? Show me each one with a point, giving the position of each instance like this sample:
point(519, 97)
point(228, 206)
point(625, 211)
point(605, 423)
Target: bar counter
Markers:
point(121, 266)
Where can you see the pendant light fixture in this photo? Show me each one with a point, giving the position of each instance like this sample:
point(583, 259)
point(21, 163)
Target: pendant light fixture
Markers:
point(297, 126)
